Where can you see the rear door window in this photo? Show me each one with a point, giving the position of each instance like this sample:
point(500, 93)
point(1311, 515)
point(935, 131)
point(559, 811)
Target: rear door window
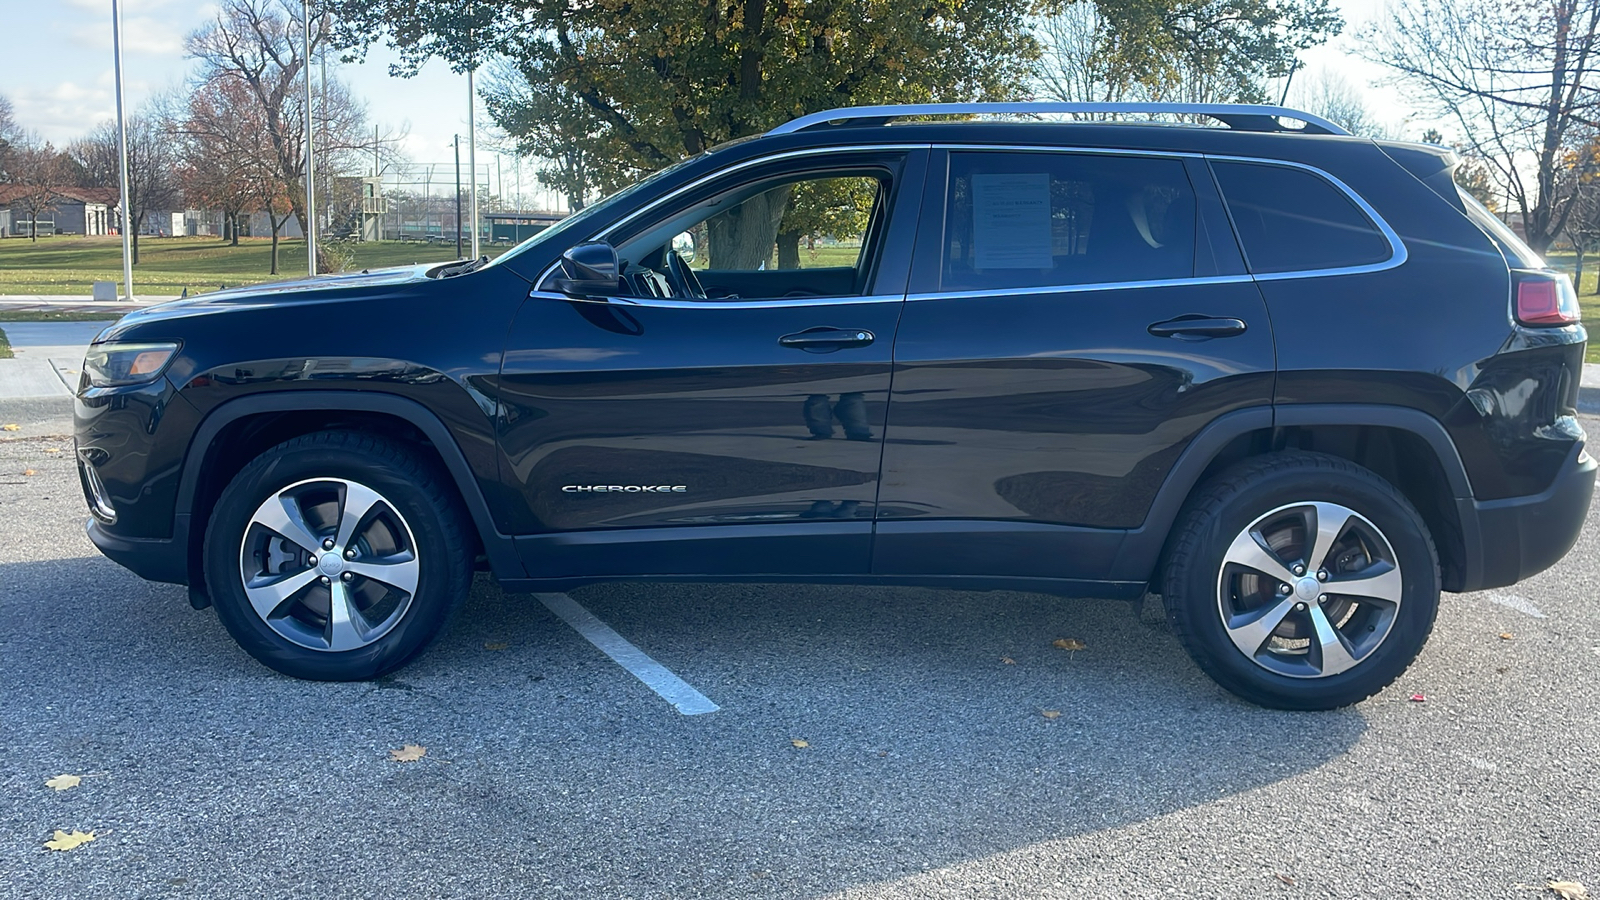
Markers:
point(1029, 220)
point(1291, 220)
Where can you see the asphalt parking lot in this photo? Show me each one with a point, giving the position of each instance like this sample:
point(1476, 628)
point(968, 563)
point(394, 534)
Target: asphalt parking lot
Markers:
point(929, 766)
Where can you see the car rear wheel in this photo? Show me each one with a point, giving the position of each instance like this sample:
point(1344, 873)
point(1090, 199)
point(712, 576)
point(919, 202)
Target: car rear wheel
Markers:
point(336, 556)
point(1301, 581)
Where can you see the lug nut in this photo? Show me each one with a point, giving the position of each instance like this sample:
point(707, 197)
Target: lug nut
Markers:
point(1322, 574)
point(327, 544)
point(1300, 606)
point(1299, 570)
point(347, 576)
point(326, 580)
point(350, 554)
point(1322, 598)
point(1284, 589)
point(313, 561)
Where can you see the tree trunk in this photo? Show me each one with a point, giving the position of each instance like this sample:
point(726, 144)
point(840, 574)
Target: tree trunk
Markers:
point(276, 224)
point(788, 249)
point(741, 239)
point(134, 237)
point(1577, 277)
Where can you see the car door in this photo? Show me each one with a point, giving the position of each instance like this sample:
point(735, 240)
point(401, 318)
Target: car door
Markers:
point(1075, 319)
point(735, 434)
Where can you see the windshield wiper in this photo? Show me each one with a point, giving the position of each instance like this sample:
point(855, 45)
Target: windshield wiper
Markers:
point(471, 265)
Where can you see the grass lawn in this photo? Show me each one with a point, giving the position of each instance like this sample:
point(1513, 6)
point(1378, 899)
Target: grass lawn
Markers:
point(71, 265)
point(5, 346)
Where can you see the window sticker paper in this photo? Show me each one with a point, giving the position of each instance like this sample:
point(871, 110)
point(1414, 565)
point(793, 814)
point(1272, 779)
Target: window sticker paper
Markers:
point(1011, 221)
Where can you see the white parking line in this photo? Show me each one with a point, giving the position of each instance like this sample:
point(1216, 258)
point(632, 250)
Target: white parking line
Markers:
point(1520, 604)
point(655, 676)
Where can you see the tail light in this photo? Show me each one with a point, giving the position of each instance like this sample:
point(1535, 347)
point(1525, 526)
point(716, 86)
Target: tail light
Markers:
point(1545, 299)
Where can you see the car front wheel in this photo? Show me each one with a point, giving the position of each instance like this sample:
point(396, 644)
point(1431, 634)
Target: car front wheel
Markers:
point(336, 556)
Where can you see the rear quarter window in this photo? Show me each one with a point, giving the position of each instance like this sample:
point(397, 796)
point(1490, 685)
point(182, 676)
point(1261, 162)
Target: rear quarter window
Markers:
point(1291, 220)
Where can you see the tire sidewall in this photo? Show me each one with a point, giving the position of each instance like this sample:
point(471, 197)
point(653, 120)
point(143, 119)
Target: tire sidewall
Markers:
point(440, 563)
point(1390, 514)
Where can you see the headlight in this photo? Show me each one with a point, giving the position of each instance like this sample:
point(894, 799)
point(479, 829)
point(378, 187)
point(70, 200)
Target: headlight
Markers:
point(110, 365)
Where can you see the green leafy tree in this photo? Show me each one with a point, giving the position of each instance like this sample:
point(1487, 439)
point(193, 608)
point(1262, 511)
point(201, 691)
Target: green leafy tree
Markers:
point(638, 85)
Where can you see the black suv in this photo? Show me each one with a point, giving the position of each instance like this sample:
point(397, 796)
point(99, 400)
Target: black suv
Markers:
point(1294, 381)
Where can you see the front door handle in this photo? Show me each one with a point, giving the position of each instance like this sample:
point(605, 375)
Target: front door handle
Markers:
point(826, 339)
point(1198, 328)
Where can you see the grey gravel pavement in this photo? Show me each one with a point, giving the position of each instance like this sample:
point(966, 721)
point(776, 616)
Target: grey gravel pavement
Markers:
point(930, 769)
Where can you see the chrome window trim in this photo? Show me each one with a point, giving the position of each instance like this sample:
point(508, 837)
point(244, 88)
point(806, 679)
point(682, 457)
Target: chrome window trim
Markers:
point(1397, 247)
point(673, 303)
point(712, 176)
point(1081, 288)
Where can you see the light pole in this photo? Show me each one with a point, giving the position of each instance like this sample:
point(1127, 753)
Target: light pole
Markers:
point(458, 196)
point(472, 156)
point(122, 155)
point(311, 190)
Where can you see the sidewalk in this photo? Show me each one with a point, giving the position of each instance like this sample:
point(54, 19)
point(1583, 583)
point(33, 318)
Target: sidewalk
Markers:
point(75, 303)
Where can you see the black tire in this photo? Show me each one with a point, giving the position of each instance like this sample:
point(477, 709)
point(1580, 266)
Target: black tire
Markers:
point(1217, 606)
point(418, 521)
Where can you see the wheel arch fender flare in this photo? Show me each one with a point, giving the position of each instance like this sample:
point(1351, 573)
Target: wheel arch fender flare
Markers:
point(499, 547)
point(1141, 550)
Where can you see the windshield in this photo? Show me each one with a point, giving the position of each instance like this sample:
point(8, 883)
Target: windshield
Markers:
point(574, 223)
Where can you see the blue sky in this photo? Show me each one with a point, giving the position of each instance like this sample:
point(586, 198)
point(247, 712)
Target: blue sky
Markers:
point(58, 71)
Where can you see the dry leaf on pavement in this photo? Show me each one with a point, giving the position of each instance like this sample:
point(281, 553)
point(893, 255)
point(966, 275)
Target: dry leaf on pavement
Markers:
point(64, 841)
point(64, 782)
point(1050, 713)
point(1284, 878)
point(29, 472)
point(1008, 660)
point(52, 449)
point(495, 645)
point(408, 753)
point(13, 427)
point(1568, 890)
point(1069, 644)
point(799, 744)
point(1506, 636)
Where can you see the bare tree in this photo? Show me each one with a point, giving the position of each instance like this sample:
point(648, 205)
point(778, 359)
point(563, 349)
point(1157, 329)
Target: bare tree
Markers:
point(36, 177)
point(1328, 94)
point(152, 165)
point(10, 132)
point(1072, 57)
point(257, 46)
point(1517, 79)
point(230, 158)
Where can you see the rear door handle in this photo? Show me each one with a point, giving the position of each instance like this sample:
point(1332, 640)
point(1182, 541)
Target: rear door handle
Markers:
point(1198, 328)
point(826, 339)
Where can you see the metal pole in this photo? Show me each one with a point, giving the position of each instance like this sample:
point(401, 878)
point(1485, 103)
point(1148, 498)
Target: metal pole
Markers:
point(472, 155)
point(311, 190)
point(122, 156)
point(458, 196)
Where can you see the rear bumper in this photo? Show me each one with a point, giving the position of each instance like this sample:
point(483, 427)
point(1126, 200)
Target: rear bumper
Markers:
point(153, 559)
point(1519, 537)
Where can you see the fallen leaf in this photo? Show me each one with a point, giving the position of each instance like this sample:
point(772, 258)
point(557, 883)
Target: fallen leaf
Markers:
point(1506, 636)
point(1284, 878)
point(408, 753)
point(64, 841)
point(52, 449)
point(1069, 644)
point(13, 427)
point(1008, 660)
point(1418, 698)
point(1050, 713)
point(495, 645)
point(1566, 890)
point(1501, 670)
point(29, 472)
point(64, 782)
point(799, 744)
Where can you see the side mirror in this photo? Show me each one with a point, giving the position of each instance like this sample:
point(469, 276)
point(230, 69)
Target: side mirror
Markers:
point(683, 245)
point(590, 270)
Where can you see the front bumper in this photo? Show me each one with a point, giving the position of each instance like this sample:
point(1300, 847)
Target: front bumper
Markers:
point(1519, 537)
point(153, 559)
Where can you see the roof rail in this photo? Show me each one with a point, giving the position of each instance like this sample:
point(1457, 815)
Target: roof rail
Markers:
point(1239, 116)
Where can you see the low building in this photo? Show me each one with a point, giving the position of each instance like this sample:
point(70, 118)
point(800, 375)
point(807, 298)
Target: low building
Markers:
point(87, 211)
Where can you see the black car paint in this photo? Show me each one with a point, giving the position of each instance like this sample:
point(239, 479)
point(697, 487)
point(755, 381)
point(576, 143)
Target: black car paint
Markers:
point(475, 362)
